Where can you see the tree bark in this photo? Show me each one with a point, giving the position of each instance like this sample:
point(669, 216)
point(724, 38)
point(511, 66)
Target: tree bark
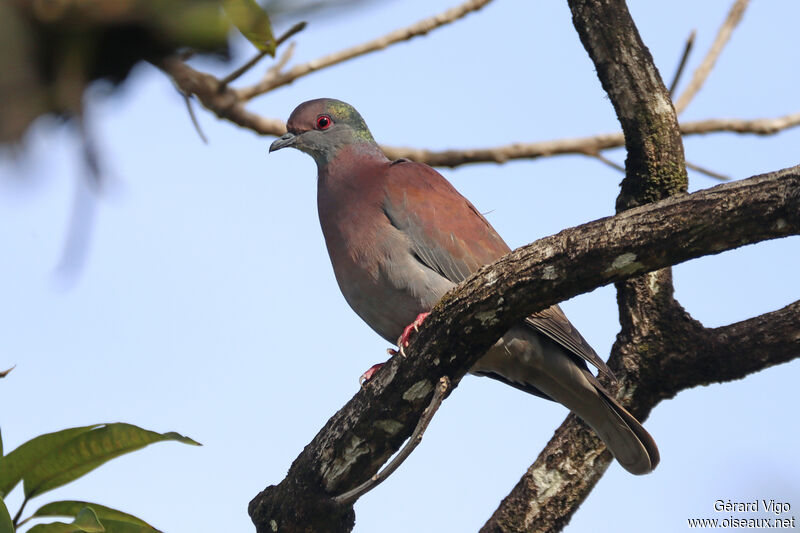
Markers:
point(657, 338)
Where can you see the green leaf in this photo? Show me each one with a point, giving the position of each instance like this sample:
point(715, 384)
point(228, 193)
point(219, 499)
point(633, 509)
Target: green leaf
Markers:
point(88, 450)
point(20, 461)
point(105, 514)
point(86, 521)
point(6, 525)
point(1, 444)
point(118, 526)
point(253, 22)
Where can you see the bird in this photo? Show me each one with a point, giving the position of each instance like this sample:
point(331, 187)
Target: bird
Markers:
point(399, 236)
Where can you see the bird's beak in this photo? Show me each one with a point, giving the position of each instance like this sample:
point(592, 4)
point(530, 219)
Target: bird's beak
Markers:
point(288, 139)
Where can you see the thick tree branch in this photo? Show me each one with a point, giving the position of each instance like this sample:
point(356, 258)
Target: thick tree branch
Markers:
point(653, 323)
point(655, 166)
point(732, 352)
point(544, 498)
point(359, 438)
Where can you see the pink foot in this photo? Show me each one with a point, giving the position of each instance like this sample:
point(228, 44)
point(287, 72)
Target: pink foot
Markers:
point(402, 342)
point(366, 376)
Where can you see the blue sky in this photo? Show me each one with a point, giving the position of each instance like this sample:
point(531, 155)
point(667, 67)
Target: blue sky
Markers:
point(206, 303)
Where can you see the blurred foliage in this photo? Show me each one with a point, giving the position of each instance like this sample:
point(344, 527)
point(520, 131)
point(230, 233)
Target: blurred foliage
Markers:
point(55, 459)
point(51, 50)
point(314, 10)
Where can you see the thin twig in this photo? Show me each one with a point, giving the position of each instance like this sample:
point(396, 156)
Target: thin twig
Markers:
point(4, 373)
point(260, 55)
point(403, 34)
point(682, 65)
point(416, 437)
point(288, 34)
point(616, 166)
point(241, 70)
point(603, 159)
point(581, 145)
point(281, 62)
point(15, 521)
point(192, 116)
point(707, 172)
point(702, 72)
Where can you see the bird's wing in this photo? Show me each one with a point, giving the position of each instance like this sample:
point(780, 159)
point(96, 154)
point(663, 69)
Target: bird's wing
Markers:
point(447, 233)
point(553, 323)
point(450, 236)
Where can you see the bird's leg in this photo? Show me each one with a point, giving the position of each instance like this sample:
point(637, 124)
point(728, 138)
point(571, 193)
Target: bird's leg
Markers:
point(366, 376)
point(402, 342)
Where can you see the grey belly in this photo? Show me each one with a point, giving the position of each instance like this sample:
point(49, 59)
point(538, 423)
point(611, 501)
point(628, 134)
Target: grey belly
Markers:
point(391, 299)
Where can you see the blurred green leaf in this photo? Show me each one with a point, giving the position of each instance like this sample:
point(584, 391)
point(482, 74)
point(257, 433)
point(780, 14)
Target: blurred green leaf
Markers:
point(197, 24)
point(6, 525)
point(88, 450)
point(105, 514)
point(253, 22)
point(21, 460)
point(85, 521)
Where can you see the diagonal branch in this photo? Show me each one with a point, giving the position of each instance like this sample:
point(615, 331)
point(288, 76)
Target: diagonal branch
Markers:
point(358, 439)
point(702, 72)
point(236, 74)
point(403, 34)
point(687, 49)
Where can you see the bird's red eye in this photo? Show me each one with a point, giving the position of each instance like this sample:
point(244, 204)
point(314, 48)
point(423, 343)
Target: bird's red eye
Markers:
point(324, 122)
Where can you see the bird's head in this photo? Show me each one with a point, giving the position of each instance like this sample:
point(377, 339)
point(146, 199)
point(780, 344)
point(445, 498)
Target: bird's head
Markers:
point(321, 127)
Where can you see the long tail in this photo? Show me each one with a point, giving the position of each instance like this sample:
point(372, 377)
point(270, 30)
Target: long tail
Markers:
point(628, 441)
point(535, 364)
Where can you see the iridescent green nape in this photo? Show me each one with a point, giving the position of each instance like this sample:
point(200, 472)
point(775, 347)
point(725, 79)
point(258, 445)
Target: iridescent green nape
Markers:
point(346, 113)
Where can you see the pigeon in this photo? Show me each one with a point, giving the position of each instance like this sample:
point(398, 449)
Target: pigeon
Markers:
point(399, 236)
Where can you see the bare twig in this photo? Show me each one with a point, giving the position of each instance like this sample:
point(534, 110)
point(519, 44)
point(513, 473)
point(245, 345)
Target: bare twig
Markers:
point(281, 62)
point(260, 55)
point(403, 34)
point(603, 159)
point(686, 51)
point(702, 72)
point(349, 497)
point(581, 145)
point(4, 373)
point(192, 115)
point(758, 126)
point(707, 172)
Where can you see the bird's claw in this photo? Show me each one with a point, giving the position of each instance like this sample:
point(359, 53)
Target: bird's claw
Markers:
point(402, 342)
point(366, 376)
